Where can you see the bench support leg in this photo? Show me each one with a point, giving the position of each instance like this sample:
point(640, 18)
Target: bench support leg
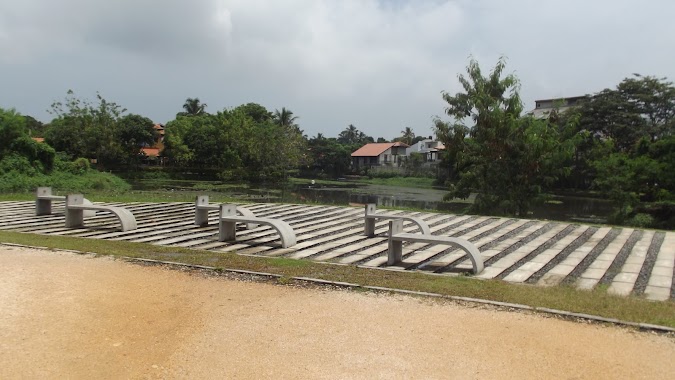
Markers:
point(395, 254)
point(43, 207)
point(202, 217)
point(74, 217)
point(227, 231)
point(370, 227)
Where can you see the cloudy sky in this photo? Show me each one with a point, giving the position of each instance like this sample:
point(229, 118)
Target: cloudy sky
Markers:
point(378, 64)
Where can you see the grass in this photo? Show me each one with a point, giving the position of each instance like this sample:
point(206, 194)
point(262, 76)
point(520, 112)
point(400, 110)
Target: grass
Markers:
point(596, 302)
point(414, 182)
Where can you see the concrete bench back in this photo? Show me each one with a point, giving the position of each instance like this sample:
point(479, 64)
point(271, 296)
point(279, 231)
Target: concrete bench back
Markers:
point(202, 208)
point(75, 208)
point(228, 219)
point(397, 237)
point(371, 216)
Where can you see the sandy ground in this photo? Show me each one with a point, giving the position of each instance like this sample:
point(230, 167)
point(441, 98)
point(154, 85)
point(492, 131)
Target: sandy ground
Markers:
point(68, 316)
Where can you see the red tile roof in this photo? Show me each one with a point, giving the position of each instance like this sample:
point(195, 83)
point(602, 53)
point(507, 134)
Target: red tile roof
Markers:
point(38, 139)
point(375, 149)
point(151, 152)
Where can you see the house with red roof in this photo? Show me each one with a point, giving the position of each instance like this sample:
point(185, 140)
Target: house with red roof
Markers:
point(379, 154)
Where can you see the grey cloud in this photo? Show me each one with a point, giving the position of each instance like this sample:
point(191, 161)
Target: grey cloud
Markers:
point(378, 64)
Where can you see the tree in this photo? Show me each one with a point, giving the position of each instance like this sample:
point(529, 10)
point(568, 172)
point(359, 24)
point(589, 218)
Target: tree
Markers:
point(85, 129)
point(193, 107)
point(18, 150)
point(132, 133)
point(452, 136)
point(407, 136)
point(508, 160)
point(285, 118)
point(349, 136)
point(638, 107)
point(328, 157)
point(255, 111)
point(12, 126)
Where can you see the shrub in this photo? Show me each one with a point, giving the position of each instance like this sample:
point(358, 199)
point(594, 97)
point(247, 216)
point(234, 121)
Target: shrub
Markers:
point(641, 220)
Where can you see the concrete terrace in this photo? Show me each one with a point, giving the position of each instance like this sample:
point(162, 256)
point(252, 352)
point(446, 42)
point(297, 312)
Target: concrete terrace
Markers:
point(626, 260)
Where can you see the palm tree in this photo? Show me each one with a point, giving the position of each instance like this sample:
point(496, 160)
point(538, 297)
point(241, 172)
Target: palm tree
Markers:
point(407, 135)
point(193, 107)
point(350, 135)
point(285, 118)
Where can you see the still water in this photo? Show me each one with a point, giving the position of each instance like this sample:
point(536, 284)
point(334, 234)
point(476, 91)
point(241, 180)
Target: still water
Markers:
point(563, 208)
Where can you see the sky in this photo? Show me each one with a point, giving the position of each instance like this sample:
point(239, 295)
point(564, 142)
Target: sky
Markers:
point(380, 65)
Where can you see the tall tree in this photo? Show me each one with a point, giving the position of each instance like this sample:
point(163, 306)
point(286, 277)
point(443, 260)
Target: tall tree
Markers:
point(193, 107)
point(349, 135)
point(508, 160)
point(407, 136)
point(285, 118)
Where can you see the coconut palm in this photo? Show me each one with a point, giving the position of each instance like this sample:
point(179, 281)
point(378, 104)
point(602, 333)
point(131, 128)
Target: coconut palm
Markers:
point(407, 135)
point(193, 107)
point(285, 118)
point(349, 136)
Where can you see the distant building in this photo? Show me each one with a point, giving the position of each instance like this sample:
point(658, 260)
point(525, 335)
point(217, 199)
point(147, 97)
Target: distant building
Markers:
point(378, 154)
point(544, 107)
point(428, 147)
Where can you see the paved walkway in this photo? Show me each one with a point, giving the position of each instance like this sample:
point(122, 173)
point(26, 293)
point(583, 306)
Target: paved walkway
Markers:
point(625, 260)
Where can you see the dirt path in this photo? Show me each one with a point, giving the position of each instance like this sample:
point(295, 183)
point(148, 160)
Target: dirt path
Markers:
point(64, 315)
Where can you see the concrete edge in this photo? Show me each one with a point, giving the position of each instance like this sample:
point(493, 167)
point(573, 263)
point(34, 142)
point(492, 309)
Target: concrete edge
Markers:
point(544, 310)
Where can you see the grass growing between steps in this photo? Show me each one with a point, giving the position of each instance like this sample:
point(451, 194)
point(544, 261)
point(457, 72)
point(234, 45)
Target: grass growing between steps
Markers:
point(596, 302)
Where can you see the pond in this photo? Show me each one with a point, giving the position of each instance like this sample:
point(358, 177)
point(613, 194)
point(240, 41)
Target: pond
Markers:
point(562, 208)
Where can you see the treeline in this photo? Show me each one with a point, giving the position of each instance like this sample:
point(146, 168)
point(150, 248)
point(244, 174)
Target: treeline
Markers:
point(26, 164)
point(619, 143)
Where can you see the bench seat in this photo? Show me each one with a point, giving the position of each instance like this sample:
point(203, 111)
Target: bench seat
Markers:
point(228, 219)
point(75, 208)
point(397, 237)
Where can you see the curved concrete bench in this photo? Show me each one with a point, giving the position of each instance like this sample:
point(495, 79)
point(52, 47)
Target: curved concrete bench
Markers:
point(75, 208)
point(228, 220)
point(372, 215)
point(44, 198)
point(397, 237)
point(202, 208)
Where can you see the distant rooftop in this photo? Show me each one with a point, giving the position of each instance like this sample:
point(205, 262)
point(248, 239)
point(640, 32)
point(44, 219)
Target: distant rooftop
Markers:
point(543, 107)
point(375, 149)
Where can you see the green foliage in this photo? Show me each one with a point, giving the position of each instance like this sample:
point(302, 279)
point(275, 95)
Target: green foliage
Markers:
point(244, 143)
point(507, 159)
point(98, 131)
point(407, 136)
point(40, 155)
point(132, 132)
point(12, 127)
point(641, 220)
point(353, 137)
point(193, 107)
point(23, 180)
point(328, 158)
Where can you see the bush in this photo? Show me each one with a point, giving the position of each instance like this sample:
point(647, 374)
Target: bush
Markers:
point(641, 220)
point(18, 165)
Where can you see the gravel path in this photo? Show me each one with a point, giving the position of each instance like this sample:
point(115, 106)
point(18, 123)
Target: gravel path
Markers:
point(70, 316)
